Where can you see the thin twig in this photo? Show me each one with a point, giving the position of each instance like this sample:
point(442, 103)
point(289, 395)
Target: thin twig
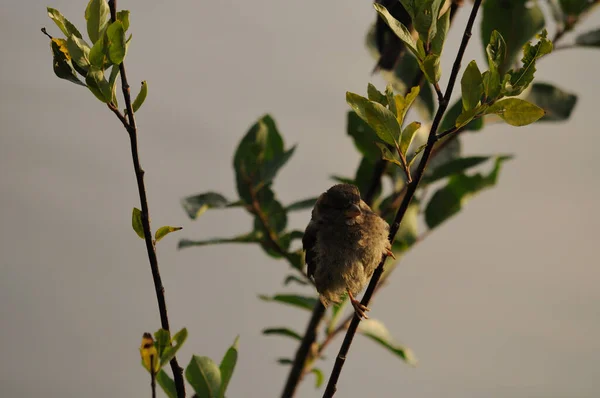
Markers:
point(152, 377)
point(411, 188)
point(150, 247)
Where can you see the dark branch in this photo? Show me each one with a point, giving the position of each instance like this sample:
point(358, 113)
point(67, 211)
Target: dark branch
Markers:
point(150, 247)
point(411, 189)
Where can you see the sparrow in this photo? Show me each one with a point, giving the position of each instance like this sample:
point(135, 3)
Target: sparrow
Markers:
point(344, 243)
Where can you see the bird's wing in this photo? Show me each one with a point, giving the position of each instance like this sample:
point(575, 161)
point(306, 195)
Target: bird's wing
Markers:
point(309, 241)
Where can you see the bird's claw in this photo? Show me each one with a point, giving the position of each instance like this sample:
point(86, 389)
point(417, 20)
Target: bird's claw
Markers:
point(359, 308)
point(389, 253)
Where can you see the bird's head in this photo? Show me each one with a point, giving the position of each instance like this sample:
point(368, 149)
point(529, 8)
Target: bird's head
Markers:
point(342, 201)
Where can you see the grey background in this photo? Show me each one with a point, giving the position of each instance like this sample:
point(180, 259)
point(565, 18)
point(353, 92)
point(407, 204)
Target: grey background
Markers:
point(501, 301)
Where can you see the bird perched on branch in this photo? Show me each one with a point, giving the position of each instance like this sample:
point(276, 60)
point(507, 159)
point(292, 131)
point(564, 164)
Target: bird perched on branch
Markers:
point(344, 242)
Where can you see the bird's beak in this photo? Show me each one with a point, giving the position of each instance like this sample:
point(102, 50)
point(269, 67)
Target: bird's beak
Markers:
point(353, 212)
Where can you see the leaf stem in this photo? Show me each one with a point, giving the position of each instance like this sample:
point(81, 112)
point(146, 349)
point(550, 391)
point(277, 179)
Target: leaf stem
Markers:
point(411, 189)
point(150, 245)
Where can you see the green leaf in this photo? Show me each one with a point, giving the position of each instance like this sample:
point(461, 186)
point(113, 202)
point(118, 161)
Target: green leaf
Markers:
point(305, 302)
point(97, 55)
point(517, 81)
point(284, 361)
point(296, 259)
point(282, 331)
point(79, 52)
point(274, 212)
point(96, 16)
point(164, 231)
point(61, 61)
point(443, 25)
point(467, 117)
point(403, 104)
point(424, 15)
point(376, 95)
point(517, 21)
point(204, 376)
point(516, 112)
point(261, 144)
point(112, 84)
point(174, 345)
point(472, 86)
point(63, 23)
point(589, 39)
point(228, 366)
point(408, 134)
point(294, 278)
point(141, 97)
point(391, 102)
point(574, 8)
point(454, 166)
point(363, 135)
point(399, 29)
point(301, 205)
point(450, 119)
point(162, 339)
point(123, 16)
point(496, 54)
point(557, 104)
point(98, 85)
point(319, 377)
point(386, 154)
point(116, 42)
point(136, 222)
point(376, 331)
point(431, 68)
point(166, 383)
point(364, 175)
point(382, 120)
point(196, 205)
point(408, 232)
point(247, 238)
point(271, 167)
point(448, 201)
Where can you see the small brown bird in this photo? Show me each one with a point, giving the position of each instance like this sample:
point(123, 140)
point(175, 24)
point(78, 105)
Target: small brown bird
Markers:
point(344, 242)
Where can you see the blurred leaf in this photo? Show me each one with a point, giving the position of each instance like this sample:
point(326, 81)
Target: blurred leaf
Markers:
point(164, 231)
point(399, 29)
point(472, 86)
point(517, 81)
point(431, 68)
point(63, 23)
point(449, 120)
point(261, 144)
point(296, 259)
point(424, 15)
point(557, 104)
point(97, 84)
point(454, 166)
point(451, 150)
point(516, 112)
point(496, 54)
point(272, 166)
point(282, 331)
point(408, 134)
point(195, 205)
point(123, 16)
point(376, 95)
point(173, 346)
point(376, 331)
point(228, 366)
point(294, 278)
point(382, 120)
point(516, 20)
point(136, 222)
point(386, 154)
point(443, 25)
point(166, 383)
point(305, 302)
point(363, 135)
point(364, 175)
point(573, 8)
point(273, 211)
point(96, 15)
point(141, 97)
point(247, 238)
point(301, 205)
point(589, 39)
point(337, 309)
point(61, 61)
point(448, 201)
point(345, 180)
point(204, 376)
point(284, 361)
point(319, 377)
point(116, 42)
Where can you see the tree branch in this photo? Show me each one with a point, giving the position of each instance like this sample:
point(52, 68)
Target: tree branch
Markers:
point(150, 245)
point(411, 188)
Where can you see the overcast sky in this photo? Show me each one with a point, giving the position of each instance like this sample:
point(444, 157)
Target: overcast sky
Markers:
point(501, 301)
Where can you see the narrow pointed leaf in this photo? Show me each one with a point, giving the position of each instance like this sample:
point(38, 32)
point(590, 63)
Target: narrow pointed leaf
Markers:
point(363, 135)
point(496, 54)
point(516, 112)
point(228, 366)
point(408, 134)
point(141, 97)
point(319, 377)
point(305, 302)
point(443, 25)
point(271, 167)
point(63, 23)
point(136, 222)
point(399, 29)
point(96, 15)
point(386, 154)
point(282, 331)
point(112, 84)
point(174, 345)
point(376, 331)
point(454, 166)
point(381, 119)
point(301, 205)
point(164, 231)
point(204, 376)
point(375, 95)
point(166, 383)
point(472, 86)
point(556, 103)
point(247, 238)
point(403, 104)
point(196, 205)
point(294, 278)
